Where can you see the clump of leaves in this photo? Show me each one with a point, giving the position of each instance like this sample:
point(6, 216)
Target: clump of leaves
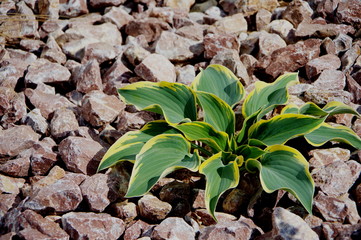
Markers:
point(213, 147)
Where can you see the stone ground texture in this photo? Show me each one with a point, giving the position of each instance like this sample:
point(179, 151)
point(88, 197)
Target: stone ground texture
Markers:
point(61, 63)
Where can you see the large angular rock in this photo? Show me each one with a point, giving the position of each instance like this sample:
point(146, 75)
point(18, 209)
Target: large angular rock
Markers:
point(76, 38)
point(281, 27)
point(36, 121)
point(214, 43)
point(173, 228)
point(317, 65)
point(244, 228)
point(18, 167)
point(331, 178)
point(81, 155)
point(81, 225)
point(87, 77)
point(186, 74)
point(63, 123)
point(117, 16)
point(287, 225)
point(101, 52)
point(7, 201)
point(297, 12)
point(12, 105)
point(52, 52)
point(10, 185)
point(290, 58)
point(193, 32)
point(61, 196)
point(333, 230)
point(268, 43)
point(331, 208)
point(100, 109)
point(136, 53)
point(177, 48)
point(10, 72)
point(234, 24)
point(182, 5)
point(305, 29)
point(248, 7)
point(153, 209)
point(156, 68)
point(263, 17)
point(126, 211)
point(73, 8)
point(40, 100)
point(97, 193)
point(321, 96)
point(42, 158)
point(343, 42)
point(137, 230)
point(16, 139)
point(32, 220)
point(115, 76)
point(354, 88)
point(105, 3)
point(44, 71)
point(151, 28)
point(330, 80)
point(323, 157)
point(349, 12)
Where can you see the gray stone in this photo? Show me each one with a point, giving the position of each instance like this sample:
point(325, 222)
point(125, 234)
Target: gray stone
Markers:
point(305, 29)
point(320, 96)
point(82, 225)
point(156, 68)
point(16, 139)
point(330, 79)
point(81, 155)
point(185, 74)
point(153, 209)
point(281, 27)
point(177, 48)
point(287, 225)
point(317, 65)
point(135, 54)
point(173, 228)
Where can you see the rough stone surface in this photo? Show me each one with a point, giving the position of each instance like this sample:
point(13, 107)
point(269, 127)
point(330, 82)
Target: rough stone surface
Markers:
point(156, 68)
point(348, 12)
point(73, 8)
point(10, 185)
point(322, 30)
point(287, 225)
point(317, 65)
point(268, 43)
point(36, 121)
point(18, 167)
point(214, 43)
point(97, 193)
point(281, 27)
point(137, 230)
point(99, 108)
point(151, 28)
point(321, 96)
point(53, 52)
point(153, 209)
point(331, 80)
point(263, 17)
point(16, 139)
point(177, 48)
point(126, 211)
point(81, 225)
point(331, 208)
point(42, 158)
point(100, 51)
point(81, 155)
point(87, 77)
point(12, 105)
point(61, 196)
point(343, 42)
point(234, 24)
point(105, 3)
point(117, 16)
point(323, 157)
point(173, 228)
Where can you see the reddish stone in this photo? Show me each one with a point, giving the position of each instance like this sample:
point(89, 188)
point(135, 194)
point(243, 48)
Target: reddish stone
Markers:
point(151, 28)
point(153, 209)
point(80, 155)
point(330, 79)
point(53, 52)
point(63, 123)
point(100, 51)
point(331, 208)
point(87, 77)
point(349, 12)
point(355, 88)
point(42, 159)
point(317, 65)
point(173, 227)
point(137, 230)
point(18, 167)
point(12, 105)
point(44, 71)
point(214, 43)
point(81, 225)
point(73, 8)
point(117, 16)
point(126, 211)
point(305, 29)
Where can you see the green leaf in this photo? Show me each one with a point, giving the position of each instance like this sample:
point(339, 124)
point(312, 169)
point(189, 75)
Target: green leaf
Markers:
point(247, 123)
point(267, 96)
point(249, 152)
point(327, 133)
point(220, 81)
point(217, 112)
point(285, 168)
point(175, 101)
point(281, 128)
point(310, 108)
point(290, 108)
point(335, 107)
point(158, 157)
point(219, 178)
point(129, 145)
point(204, 132)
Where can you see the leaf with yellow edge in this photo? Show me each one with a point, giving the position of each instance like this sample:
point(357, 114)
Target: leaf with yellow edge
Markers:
point(282, 128)
point(283, 167)
point(220, 81)
point(220, 178)
point(175, 101)
point(159, 156)
point(336, 107)
point(267, 96)
point(129, 145)
point(326, 133)
point(290, 108)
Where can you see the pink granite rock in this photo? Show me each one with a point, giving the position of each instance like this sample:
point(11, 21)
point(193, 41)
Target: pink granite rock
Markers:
point(81, 225)
point(317, 65)
point(263, 17)
point(151, 28)
point(330, 79)
point(117, 16)
point(36, 121)
point(331, 208)
point(99, 109)
point(126, 211)
point(153, 209)
point(87, 77)
point(297, 12)
point(18, 167)
point(73, 8)
point(12, 105)
point(81, 155)
point(97, 193)
point(349, 12)
point(322, 157)
point(61, 196)
point(42, 158)
point(173, 227)
point(100, 51)
point(114, 77)
point(16, 139)
point(156, 68)
point(137, 229)
point(52, 52)
point(214, 43)
point(268, 43)
point(40, 99)
point(233, 24)
point(105, 3)
point(63, 123)
point(355, 88)
point(305, 29)
point(10, 185)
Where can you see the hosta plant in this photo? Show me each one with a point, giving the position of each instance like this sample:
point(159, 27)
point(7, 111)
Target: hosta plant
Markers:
point(211, 145)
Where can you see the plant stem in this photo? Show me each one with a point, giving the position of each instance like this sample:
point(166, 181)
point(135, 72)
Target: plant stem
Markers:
point(208, 153)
